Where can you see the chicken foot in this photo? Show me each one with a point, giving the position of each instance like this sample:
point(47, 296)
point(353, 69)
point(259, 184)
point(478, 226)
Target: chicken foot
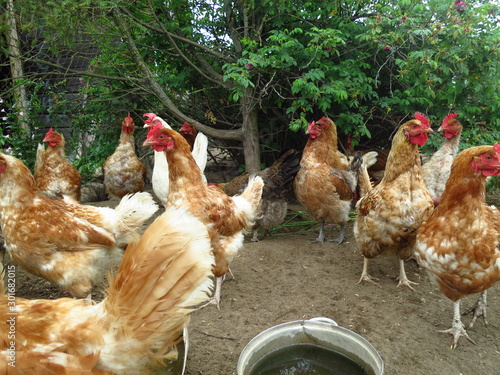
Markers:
point(321, 236)
point(215, 300)
point(365, 276)
point(341, 236)
point(457, 329)
point(403, 280)
point(479, 309)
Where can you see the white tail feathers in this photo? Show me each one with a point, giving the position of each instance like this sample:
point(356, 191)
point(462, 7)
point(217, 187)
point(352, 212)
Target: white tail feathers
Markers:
point(134, 210)
point(370, 158)
point(253, 191)
point(39, 156)
point(200, 153)
point(160, 280)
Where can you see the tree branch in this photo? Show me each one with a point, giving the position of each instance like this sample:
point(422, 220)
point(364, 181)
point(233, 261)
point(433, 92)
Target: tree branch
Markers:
point(160, 93)
point(180, 38)
point(218, 80)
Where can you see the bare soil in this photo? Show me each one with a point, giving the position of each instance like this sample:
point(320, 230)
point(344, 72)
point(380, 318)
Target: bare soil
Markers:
point(285, 278)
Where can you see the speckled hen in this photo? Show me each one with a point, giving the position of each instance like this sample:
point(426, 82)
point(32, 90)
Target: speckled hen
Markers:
point(459, 243)
point(390, 214)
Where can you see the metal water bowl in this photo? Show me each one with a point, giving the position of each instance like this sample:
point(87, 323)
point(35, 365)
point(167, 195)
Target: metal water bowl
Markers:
point(321, 332)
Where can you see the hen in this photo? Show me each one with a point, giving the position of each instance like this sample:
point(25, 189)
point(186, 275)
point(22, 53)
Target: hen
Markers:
point(459, 243)
point(124, 172)
point(278, 182)
point(390, 214)
point(160, 179)
point(62, 241)
point(437, 169)
point(135, 328)
point(225, 217)
point(326, 182)
point(54, 175)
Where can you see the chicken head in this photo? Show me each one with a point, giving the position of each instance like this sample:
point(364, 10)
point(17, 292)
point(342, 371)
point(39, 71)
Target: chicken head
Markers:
point(187, 128)
point(163, 139)
point(488, 163)
point(128, 124)
point(417, 129)
point(450, 127)
point(52, 138)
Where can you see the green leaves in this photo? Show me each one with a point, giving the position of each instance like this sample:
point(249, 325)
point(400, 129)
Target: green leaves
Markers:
point(365, 64)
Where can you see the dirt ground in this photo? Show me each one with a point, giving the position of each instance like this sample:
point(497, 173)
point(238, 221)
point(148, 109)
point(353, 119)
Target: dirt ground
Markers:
point(285, 278)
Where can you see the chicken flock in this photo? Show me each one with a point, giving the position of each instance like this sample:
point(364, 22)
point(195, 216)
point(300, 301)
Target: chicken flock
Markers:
point(434, 213)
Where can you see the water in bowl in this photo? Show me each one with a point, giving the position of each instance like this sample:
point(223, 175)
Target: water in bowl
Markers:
point(307, 359)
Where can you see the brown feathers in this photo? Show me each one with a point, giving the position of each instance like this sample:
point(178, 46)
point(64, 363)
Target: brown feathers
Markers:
point(55, 176)
point(124, 172)
point(138, 324)
point(62, 241)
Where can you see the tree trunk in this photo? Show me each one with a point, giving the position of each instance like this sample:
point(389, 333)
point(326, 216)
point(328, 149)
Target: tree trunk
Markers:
point(16, 67)
point(250, 128)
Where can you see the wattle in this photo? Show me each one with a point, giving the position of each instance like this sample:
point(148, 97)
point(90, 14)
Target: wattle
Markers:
point(419, 139)
point(159, 148)
point(448, 134)
point(490, 172)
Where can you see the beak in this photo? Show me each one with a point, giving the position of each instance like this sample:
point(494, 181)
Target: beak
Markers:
point(147, 143)
point(428, 130)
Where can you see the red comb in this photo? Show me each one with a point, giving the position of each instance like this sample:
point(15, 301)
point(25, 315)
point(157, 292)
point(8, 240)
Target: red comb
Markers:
point(448, 118)
point(150, 117)
point(496, 147)
point(50, 131)
point(420, 117)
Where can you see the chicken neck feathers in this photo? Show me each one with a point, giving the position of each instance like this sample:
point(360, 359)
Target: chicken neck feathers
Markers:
point(436, 170)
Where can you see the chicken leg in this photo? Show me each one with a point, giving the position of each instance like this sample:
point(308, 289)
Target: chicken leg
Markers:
point(365, 276)
point(457, 329)
point(403, 280)
point(479, 309)
point(321, 236)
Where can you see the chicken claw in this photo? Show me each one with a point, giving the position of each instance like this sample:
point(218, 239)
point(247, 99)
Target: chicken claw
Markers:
point(370, 279)
point(322, 239)
point(403, 280)
point(479, 309)
point(366, 277)
point(457, 329)
point(215, 300)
